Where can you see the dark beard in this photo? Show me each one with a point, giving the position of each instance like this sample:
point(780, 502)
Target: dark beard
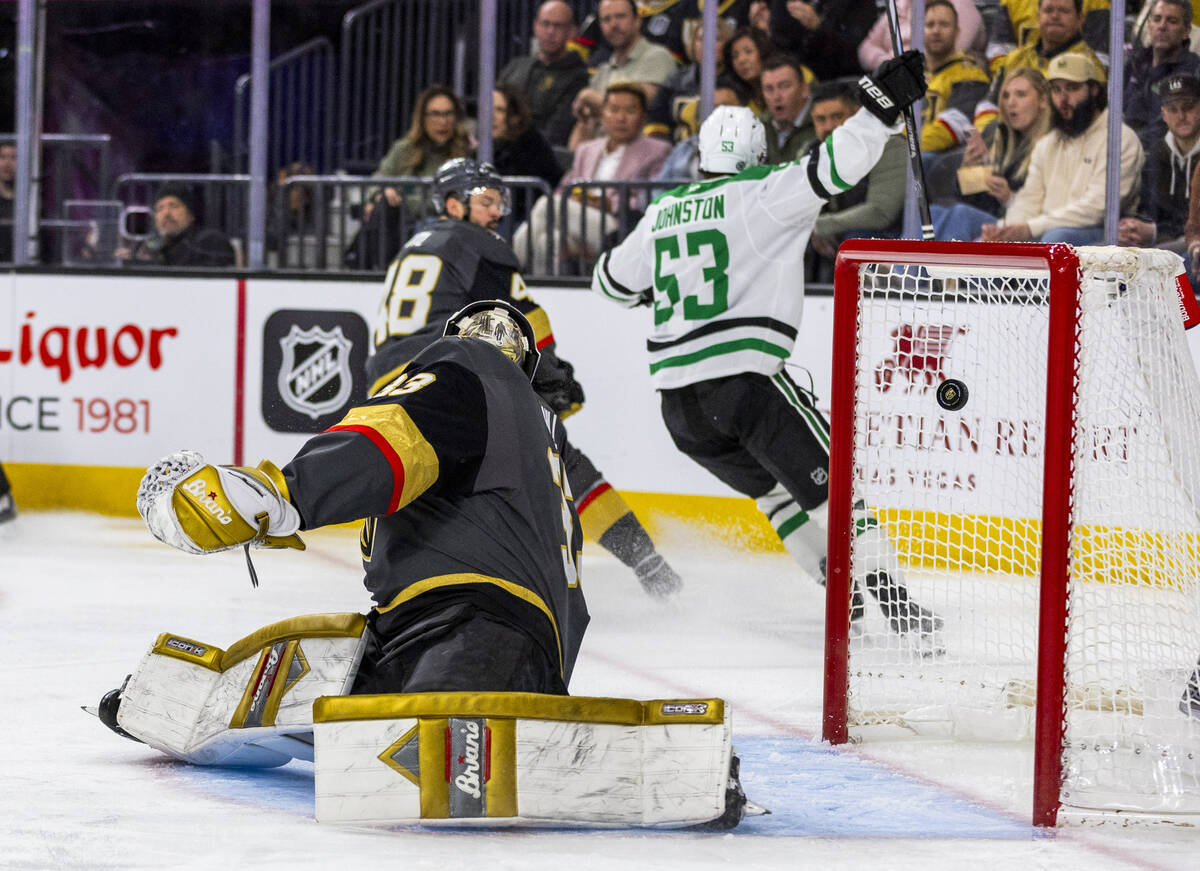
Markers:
point(1081, 119)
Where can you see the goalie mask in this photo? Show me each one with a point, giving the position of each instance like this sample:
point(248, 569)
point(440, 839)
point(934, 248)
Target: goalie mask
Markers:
point(501, 324)
point(731, 139)
point(462, 177)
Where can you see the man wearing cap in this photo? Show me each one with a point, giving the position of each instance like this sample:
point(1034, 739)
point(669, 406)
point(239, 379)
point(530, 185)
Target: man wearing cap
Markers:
point(1168, 54)
point(1170, 165)
point(178, 241)
point(1064, 193)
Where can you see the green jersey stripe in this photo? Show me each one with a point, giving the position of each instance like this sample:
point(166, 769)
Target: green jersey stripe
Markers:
point(721, 348)
point(833, 173)
point(792, 524)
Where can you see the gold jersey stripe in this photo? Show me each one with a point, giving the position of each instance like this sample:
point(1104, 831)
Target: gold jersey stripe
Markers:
point(540, 321)
point(413, 460)
point(526, 595)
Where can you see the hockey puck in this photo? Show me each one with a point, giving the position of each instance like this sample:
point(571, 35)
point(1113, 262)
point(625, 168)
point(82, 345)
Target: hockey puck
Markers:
point(952, 394)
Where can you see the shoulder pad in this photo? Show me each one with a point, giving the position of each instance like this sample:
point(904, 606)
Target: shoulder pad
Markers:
point(490, 246)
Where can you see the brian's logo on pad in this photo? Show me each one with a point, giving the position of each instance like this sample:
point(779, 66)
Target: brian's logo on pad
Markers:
point(919, 356)
point(468, 766)
point(312, 368)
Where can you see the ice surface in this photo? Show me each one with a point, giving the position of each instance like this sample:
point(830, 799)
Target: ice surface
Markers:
point(83, 596)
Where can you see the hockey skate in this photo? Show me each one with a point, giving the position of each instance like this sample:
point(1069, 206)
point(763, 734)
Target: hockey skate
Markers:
point(1190, 703)
point(657, 577)
point(8, 508)
point(110, 703)
point(737, 806)
point(904, 616)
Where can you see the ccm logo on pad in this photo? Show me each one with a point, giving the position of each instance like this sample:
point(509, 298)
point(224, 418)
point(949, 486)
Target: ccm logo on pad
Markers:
point(694, 708)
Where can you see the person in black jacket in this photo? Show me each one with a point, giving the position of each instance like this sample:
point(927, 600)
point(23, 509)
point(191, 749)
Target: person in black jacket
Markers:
point(552, 75)
point(178, 241)
point(519, 149)
point(823, 34)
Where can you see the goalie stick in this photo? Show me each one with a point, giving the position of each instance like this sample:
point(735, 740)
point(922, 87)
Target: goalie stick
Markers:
point(911, 134)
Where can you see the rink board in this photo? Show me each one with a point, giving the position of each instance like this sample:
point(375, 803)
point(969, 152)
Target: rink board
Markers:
point(100, 375)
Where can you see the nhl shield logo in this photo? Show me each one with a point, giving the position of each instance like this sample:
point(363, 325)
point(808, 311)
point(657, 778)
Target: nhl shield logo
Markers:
point(314, 377)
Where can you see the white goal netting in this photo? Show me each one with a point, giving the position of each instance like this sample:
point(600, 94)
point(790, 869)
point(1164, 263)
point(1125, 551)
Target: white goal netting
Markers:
point(959, 490)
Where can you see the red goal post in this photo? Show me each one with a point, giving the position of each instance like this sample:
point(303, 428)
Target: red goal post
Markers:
point(917, 300)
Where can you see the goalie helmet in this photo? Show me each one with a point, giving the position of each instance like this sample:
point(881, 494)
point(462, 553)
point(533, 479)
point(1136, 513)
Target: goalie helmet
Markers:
point(731, 139)
point(462, 177)
point(501, 324)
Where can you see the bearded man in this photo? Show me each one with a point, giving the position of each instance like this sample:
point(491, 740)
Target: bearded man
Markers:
point(1063, 196)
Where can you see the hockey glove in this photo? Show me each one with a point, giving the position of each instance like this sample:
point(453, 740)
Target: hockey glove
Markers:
point(894, 86)
point(560, 391)
point(199, 508)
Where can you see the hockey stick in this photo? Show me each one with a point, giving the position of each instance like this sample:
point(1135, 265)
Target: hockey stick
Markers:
point(911, 133)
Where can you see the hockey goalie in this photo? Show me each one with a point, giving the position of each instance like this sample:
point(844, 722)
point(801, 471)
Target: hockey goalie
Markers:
point(448, 702)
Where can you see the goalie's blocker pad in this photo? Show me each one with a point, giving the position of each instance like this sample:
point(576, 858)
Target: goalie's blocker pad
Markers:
point(520, 758)
point(249, 705)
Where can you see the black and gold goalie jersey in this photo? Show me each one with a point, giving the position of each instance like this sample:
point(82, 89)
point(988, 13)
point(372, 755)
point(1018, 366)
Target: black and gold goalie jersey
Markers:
point(438, 272)
point(457, 464)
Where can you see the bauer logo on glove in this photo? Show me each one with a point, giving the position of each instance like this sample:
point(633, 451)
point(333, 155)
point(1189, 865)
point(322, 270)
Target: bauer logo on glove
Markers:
point(200, 508)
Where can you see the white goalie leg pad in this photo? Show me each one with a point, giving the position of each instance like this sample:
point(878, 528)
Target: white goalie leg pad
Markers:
point(248, 705)
point(803, 533)
point(498, 759)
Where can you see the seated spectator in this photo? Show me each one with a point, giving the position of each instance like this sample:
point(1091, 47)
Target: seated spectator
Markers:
point(1024, 25)
point(1168, 54)
point(789, 127)
point(955, 86)
point(673, 109)
point(436, 134)
point(1063, 197)
point(633, 59)
point(8, 174)
point(518, 148)
point(624, 154)
point(552, 75)
point(1170, 169)
point(876, 47)
point(1059, 32)
point(683, 163)
point(824, 35)
point(177, 240)
point(874, 206)
point(1024, 119)
point(744, 56)
point(294, 215)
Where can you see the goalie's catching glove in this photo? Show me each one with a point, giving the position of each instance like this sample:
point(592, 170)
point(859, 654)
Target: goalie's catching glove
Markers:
point(200, 508)
point(560, 390)
point(895, 85)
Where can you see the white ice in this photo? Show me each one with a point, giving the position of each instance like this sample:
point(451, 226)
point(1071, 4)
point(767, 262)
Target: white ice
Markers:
point(82, 597)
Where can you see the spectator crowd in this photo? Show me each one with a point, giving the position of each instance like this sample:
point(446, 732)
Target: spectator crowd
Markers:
point(602, 115)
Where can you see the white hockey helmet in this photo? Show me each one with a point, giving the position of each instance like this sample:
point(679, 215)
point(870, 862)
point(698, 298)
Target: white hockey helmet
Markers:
point(731, 139)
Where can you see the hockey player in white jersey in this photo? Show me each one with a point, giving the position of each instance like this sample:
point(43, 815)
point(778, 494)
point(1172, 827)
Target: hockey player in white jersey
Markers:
point(721, 262)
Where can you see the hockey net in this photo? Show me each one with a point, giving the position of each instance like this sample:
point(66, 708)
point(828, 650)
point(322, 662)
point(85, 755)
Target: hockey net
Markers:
point(1046, 531)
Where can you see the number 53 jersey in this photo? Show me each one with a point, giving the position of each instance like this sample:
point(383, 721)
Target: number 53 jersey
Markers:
point(723, 260)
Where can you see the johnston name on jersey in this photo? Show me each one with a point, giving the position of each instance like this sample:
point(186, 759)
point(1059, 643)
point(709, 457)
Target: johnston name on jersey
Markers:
point(457, 464)
point(724, 259)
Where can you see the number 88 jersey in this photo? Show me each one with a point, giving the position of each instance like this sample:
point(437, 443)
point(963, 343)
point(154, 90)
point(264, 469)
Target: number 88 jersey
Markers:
point(435, 274)
point(723, 259)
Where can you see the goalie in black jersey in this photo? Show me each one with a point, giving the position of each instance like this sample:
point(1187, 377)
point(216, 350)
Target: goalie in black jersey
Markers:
point(459, 259)
point(471, 549)
point(471, 542)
